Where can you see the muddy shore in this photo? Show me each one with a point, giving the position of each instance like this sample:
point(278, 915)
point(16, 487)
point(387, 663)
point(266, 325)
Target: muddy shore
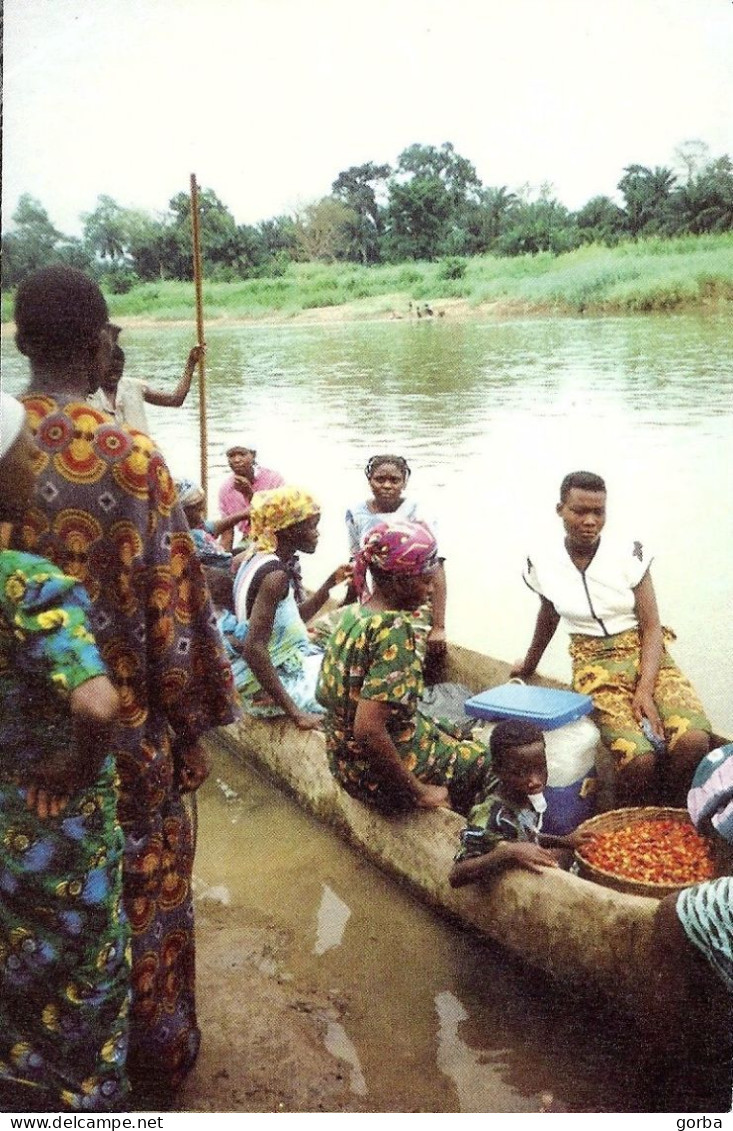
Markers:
point(263, 1035)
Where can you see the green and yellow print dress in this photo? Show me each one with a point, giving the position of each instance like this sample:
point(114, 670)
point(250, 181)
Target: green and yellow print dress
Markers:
point(379, 656)
point(64, 946)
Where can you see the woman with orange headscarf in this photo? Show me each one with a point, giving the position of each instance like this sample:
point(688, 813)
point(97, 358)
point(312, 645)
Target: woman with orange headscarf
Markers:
point(281, 662)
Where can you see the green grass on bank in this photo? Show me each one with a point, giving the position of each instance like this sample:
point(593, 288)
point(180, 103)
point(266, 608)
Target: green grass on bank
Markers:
point(651, 275)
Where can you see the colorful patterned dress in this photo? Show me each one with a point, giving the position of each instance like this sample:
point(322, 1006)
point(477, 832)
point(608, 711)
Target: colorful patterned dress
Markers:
point(64, 938)
point(380, 656)
point(106, 512)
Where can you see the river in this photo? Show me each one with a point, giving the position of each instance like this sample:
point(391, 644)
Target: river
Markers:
point(490, 416)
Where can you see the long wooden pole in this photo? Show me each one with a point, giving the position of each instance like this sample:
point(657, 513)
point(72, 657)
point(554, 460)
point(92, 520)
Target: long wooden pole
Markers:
point(199, 333)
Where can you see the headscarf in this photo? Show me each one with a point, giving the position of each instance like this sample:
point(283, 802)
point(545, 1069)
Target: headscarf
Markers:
point(277, 509)
point(710, 800)
point(12, 419)
point(404, 548)
point(189, 493)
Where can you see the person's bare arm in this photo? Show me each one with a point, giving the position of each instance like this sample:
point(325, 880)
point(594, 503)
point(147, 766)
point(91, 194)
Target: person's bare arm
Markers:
point(310, 606)
point(436, 637)
point(520, 854)
point(370, 731)
point(652, 647)
point(546, 624)
point(181, 391)
point(221, 526)
point(94, 706)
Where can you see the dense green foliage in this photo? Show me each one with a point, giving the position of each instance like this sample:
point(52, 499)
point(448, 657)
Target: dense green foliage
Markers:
point(430, 207)
point(646, 275)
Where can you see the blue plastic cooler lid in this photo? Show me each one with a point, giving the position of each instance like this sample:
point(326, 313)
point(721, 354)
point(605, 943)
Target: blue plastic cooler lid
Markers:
point(548, 707)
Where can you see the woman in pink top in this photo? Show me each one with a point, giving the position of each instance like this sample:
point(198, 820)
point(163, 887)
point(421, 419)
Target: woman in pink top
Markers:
point(238, 488)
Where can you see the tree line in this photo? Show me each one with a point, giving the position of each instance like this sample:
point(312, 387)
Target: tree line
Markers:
point(430, 205)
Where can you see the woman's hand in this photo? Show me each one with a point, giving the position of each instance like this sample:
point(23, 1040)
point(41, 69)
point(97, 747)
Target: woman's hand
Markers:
point(245, 488)
point(432, 797)
point(343, 573)
point(46, 802)
point(520, 671)
point(193, 767)
point(644, 707)
point(436, 642)
point(307, 720)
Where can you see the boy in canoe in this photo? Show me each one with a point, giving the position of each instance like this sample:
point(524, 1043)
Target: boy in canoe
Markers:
point(504, 830)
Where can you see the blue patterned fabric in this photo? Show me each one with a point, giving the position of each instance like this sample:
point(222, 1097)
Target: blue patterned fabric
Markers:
point(64, 938)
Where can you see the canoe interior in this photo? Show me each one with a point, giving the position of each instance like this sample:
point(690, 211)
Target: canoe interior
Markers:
point(597, 940)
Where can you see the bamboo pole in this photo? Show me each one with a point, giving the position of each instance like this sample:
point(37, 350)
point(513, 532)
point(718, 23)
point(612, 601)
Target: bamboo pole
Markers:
point(199, 333)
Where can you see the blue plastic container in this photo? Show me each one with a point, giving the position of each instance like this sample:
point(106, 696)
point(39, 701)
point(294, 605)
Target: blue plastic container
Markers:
point(548, 707)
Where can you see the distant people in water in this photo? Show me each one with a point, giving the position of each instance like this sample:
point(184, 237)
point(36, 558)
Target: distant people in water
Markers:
point(387, 476)
point(125, 397)
point(649, 715)
point(235, 493)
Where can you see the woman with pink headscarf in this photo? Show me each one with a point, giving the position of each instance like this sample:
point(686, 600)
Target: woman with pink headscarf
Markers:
point(380, 748)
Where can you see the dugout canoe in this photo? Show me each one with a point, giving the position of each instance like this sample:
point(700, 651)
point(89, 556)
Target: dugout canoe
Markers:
point(598, 940)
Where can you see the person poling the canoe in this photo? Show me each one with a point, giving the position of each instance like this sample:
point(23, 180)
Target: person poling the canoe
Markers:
point(648, 713)
point(235, 493)
point(505, 829)
point(125, 397)
point(380, 748)
point(387, 476)
point(282, 661)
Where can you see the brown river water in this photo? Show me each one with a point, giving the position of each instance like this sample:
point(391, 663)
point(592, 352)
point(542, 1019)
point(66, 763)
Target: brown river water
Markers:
point(490, 416)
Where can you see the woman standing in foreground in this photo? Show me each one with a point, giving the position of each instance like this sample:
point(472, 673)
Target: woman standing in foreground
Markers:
point(648, 712)
point(64, 938)
point(105, 511)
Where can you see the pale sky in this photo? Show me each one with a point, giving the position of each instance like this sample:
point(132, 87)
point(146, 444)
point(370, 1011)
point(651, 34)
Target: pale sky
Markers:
point(266, 101)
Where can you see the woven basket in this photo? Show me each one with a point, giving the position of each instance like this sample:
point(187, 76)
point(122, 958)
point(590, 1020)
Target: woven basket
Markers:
point(621, 819)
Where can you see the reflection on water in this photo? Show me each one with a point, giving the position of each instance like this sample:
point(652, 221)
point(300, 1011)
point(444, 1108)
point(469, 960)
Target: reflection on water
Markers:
point(339, 1044)
point(490, 416)
point(476, 1074)
point(435, 1019)
point(333, 915)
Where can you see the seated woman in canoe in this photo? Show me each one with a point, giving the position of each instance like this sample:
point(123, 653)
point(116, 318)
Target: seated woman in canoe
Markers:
point(649, 715)
point(280, 661)
point(387, 476)
point(380, 748)
point(206, 533)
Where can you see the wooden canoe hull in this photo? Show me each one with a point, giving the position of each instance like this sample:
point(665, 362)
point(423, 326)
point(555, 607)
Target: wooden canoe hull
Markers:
point(571, 929)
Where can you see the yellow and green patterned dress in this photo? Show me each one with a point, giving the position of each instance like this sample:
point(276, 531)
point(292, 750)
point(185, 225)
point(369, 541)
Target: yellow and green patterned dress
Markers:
point(64, 937)
point(380, 656)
